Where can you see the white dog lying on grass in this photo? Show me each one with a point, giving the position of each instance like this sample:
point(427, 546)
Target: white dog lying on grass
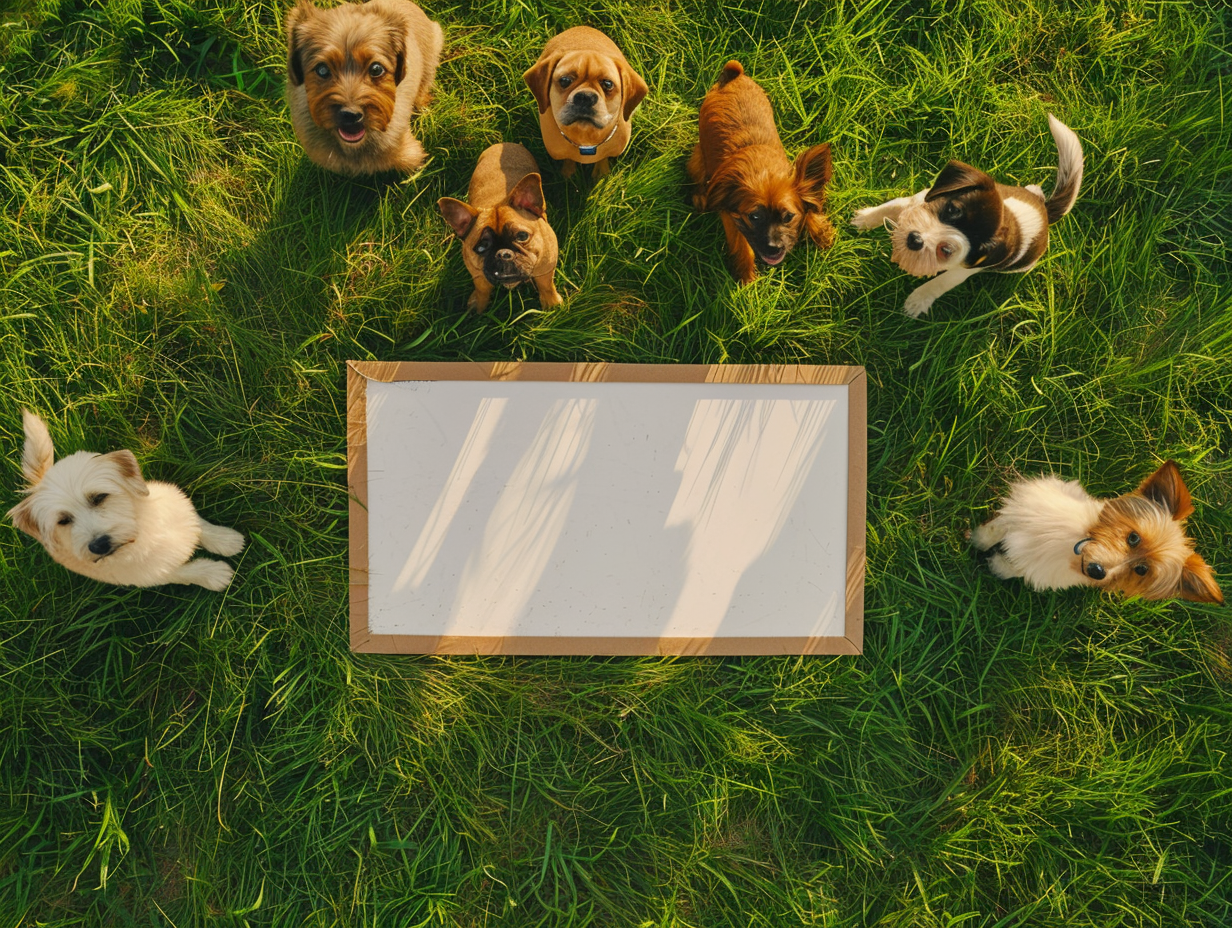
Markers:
point(96, 516)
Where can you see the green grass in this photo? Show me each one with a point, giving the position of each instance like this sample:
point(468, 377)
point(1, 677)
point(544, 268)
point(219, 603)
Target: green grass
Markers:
point(176, 278)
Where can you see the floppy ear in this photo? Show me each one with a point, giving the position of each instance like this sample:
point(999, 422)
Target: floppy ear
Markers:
point(723, 190)
point(957, 177)
point(127, 467)
point(527, 194)
point(633, 88)
point(300, 13)
point(23, 518)
point(38, 453)
point(459, 216)
point(813, 172)
point(397, 43)
point(1198, 582)
point(1166, 488)
point(539, 80)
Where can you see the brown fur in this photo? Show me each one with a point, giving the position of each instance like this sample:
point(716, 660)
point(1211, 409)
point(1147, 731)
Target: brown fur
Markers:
point(1162, 563)
point(505, 202)
point(740, 170)
point(331, 59)
point(586, 58)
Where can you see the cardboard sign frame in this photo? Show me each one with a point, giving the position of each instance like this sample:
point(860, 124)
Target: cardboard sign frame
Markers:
point(363, 640)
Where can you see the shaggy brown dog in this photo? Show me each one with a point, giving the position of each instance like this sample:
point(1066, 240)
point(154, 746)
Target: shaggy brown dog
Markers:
point(586, 93)
point(741, 172)
point(354, 74)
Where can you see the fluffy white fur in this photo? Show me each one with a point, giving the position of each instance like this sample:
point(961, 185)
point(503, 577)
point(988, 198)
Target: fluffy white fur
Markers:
point(95, 515)
point(1039, 523)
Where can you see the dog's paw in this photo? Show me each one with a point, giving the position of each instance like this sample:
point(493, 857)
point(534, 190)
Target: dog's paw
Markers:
point(917, 304)
point(213, 575)
point(225, 541)
point(866, 218)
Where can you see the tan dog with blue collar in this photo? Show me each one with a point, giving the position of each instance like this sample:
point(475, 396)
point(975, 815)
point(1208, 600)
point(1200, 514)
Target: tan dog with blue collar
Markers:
point(587, 93)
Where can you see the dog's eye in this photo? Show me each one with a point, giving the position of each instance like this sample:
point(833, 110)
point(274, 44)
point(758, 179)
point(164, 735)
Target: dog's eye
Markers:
point(756, 216)
point(522, 236)
point(606, 85)
point(65, 519)
point(322, 71)
point(951, 212)
point(1140, 570)
point(1133, 540)
point(376, 70)
point(947, 250)
point(481, 248)
point(788, 217)
point(566, 81)
point(98, 499)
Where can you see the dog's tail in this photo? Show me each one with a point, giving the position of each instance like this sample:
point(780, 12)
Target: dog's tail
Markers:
point(731, 71)
point(1069, 170)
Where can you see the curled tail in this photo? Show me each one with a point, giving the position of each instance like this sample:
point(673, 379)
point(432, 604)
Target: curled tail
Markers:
point(1069, 170)
point(731, 71)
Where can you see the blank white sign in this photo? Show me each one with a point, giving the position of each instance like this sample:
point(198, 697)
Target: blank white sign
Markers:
point(529, 508)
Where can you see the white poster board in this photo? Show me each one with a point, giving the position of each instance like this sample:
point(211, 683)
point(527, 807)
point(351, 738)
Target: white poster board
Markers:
point(606, 509)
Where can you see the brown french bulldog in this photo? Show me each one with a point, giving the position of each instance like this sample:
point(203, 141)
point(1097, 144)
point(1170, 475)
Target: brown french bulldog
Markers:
point(506, 238)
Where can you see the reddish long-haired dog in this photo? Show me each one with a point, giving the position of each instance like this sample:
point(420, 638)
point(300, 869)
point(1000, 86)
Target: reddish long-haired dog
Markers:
point(741, 172)
point(354, 74)
point(1054, 535)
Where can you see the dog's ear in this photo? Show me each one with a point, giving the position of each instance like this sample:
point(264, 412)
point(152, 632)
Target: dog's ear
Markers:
point(23, 518)
point(725, 190)
point(129, 470)
point(527, 194)
point(813, 172)
point(1198, 581)
point(957, 177)
point(397, 44)
point(37, 454)
point(633, 88)
point(539, 80)
point(296, 16)
point(1166, 488)
point(459, 216)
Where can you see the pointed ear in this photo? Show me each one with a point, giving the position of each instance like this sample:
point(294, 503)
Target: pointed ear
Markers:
point(127, 467)
point(957, 177)
point(37, 454)
point(539, 80)
point(1198, 582)
point(633, 88)
point(527, 194)
point(459, 216)
point(23, 518)
point(813, 172)
point(1166, 488)
point(296, 16)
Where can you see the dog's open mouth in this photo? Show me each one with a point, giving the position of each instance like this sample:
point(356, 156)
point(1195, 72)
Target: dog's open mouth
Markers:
point(352, 134)
point(774, 256)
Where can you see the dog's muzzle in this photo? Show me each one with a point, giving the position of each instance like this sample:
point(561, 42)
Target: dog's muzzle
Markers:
point(101, 545)
point(915, 241)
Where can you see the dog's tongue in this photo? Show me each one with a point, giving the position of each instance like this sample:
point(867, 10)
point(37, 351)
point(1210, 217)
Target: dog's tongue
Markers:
point(351, 133)
point(774, 259)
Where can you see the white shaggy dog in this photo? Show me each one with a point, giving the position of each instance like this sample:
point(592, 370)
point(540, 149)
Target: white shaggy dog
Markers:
point(96, 516)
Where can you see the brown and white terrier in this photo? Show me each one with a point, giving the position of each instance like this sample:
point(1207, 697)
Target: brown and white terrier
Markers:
point(506, 237)
point(1054, 535)
point(966, 222)
point(587, 93)
point(354, 75)
point(740, 170)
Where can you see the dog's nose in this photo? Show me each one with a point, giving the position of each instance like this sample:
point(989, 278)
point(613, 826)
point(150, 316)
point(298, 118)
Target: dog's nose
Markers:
point(915, 241)
point(351, 117)
point(100, 545)
point(1095, 572)
point(504, 254)
point(585, 98)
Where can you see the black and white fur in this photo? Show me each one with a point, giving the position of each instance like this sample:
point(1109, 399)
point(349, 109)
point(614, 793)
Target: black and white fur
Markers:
point(966, 222)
